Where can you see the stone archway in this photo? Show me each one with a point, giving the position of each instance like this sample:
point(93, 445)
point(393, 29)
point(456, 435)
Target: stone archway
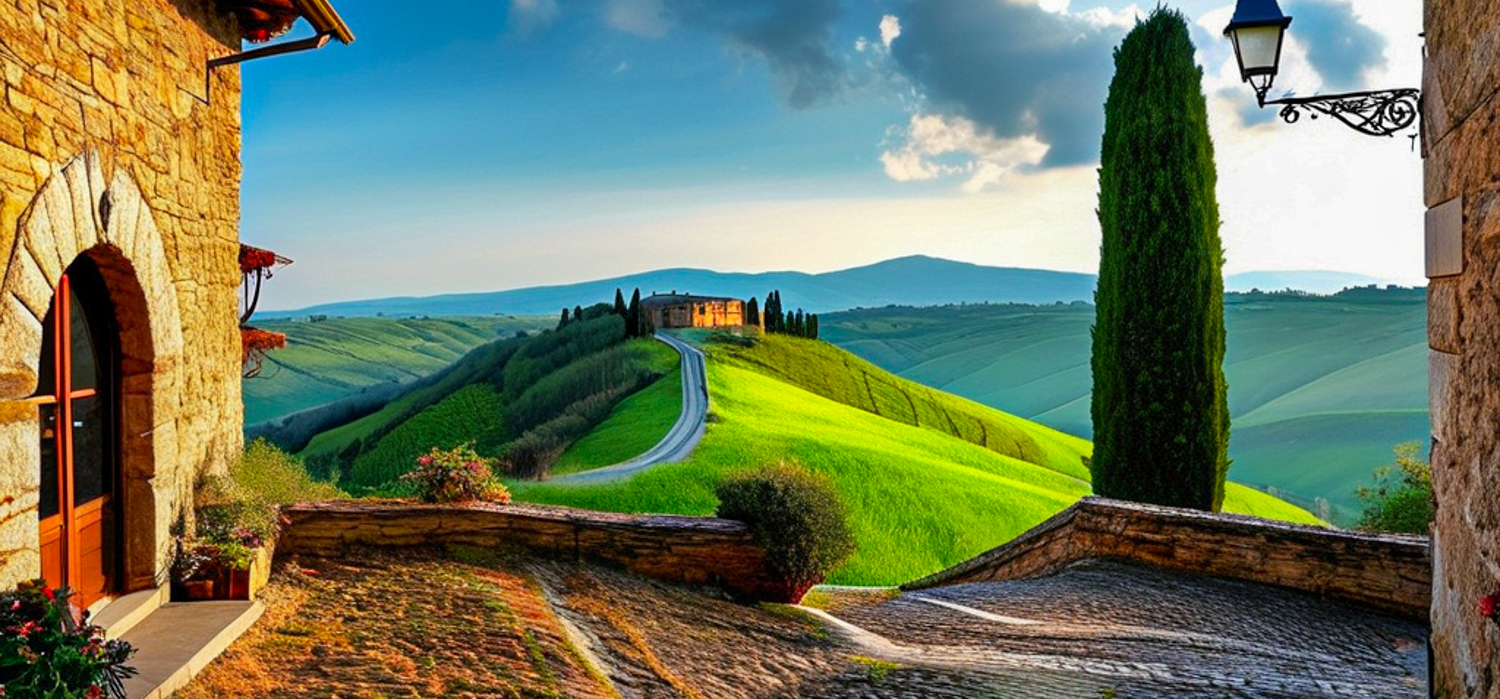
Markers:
point(81, 212)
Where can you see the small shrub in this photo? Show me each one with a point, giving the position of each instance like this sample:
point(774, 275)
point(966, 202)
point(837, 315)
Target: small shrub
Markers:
point(1401, 500)
point(796, 517)
point(45, 653)
point(456, 475)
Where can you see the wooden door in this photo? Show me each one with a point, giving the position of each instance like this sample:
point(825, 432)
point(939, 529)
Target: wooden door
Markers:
point(76, 406)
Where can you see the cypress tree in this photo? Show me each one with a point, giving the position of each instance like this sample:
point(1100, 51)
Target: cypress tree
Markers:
point(773, 312)
point(812, 327)
point(578, 313)
point(620, 309)
point(799, 327)
point(564, 320)
point(633, 325)
point(1161, 421)
point(752, 312)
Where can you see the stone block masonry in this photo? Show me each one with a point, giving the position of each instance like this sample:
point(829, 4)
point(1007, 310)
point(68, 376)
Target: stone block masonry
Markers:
point(116, 143)
point(688, 550)
point(1461, 118)
point(1387, 573)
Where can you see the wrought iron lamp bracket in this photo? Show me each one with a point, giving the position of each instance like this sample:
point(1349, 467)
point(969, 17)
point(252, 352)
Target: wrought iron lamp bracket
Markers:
point(1374, 113)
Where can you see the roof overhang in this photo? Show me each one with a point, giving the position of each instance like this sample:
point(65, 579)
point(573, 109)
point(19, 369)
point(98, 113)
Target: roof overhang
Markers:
point(321, 15)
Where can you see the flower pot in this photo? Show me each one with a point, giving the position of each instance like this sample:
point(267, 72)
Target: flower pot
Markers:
point(199, 589)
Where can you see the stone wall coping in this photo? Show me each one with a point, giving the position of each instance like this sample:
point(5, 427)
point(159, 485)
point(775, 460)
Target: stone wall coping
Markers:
point(1335, 562)
point(397, 508)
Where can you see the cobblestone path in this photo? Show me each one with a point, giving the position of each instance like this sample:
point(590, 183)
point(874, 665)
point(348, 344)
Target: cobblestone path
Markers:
point(473, 624)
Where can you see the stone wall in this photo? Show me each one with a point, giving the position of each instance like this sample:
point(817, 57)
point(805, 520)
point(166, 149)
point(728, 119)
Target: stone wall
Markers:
point(1461, 116)
point(116, 143)
point(1389, 573)
point(691, 550)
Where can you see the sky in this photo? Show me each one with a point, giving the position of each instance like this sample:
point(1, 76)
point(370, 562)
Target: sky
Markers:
point(497, 144)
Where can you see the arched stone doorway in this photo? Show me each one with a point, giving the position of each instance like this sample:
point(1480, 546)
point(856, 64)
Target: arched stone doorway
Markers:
point(79, 217)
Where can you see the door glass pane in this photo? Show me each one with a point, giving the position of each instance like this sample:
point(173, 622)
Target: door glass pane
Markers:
point(85, 367)
point(50, 503)
point(46, 369)
point(90, 450)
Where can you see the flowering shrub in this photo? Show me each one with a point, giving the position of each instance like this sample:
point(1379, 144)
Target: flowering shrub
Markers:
point(45, 653)
point(456, 475)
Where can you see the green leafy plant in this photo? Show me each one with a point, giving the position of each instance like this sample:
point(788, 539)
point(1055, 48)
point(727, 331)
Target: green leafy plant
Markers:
point(456, 475)
point(47, 653)
point(796, 517)
point(1401, 499)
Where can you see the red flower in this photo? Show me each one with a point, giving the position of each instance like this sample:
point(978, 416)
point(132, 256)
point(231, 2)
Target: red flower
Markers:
point(1489, 606)
point(95, 692)
point(47, 592)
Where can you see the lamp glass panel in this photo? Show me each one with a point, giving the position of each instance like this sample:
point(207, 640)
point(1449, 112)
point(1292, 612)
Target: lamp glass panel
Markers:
point(1259, 48)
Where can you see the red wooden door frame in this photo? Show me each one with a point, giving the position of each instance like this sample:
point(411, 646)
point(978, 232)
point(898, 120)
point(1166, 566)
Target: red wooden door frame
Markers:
point(65, 523)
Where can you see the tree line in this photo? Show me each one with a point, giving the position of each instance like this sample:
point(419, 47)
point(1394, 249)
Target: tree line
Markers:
point(781, 321)
point(637, 321)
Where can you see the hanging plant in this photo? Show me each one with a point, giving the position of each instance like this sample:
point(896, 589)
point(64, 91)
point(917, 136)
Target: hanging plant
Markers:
point(254, 344)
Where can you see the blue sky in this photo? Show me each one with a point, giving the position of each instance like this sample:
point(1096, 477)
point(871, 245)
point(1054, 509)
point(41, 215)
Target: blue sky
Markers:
point(511, 143)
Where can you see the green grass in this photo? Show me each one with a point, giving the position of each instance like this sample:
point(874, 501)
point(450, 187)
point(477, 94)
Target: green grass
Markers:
point(919, 499)
point(1320, 388)
point(337, 358)
point(633, 427)
point(459, 418)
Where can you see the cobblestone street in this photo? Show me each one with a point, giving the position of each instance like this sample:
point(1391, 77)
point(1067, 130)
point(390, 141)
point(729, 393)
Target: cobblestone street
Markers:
point(472, 624)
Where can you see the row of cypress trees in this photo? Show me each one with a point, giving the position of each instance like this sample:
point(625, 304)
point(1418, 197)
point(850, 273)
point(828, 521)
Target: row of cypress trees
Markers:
point(780, 321)
point(637, 323)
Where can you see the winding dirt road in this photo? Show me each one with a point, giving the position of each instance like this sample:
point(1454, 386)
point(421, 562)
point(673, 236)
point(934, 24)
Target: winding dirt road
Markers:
point(684, 435)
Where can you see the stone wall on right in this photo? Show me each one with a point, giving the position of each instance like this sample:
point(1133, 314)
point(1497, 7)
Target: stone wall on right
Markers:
point(1461, 132)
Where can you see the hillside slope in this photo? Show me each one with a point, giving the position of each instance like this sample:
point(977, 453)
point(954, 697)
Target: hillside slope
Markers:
point(920, 499)
point(1320, 388)
point(335, 358)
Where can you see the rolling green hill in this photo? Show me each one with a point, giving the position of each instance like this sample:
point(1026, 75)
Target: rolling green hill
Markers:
point(930, 479)
point(540, 393)
point(331, 359)
point(1320, 388)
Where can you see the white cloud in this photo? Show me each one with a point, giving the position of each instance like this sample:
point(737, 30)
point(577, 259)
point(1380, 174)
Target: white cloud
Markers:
point(527, 16)
point(639, 17)
point(890, 28)
point(935, 145)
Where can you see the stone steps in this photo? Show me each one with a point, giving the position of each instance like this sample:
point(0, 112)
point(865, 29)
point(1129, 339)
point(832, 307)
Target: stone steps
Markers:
point(177, 640)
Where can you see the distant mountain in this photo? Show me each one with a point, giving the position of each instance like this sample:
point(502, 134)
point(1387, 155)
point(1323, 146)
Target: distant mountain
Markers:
point(906, 281)
point(1316, 282)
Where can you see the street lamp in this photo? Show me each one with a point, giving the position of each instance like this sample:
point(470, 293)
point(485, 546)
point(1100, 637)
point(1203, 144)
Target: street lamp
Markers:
point(1258, 30)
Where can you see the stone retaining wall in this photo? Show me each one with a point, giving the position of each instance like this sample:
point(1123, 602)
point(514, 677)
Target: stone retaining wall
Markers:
point(1389, 573)
point(691, 550)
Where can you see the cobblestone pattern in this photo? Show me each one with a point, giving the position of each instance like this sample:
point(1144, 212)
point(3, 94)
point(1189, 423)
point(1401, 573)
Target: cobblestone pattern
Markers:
point(1461, 115)
point(123, 85)
point(1147, 632)
point(1387, 572)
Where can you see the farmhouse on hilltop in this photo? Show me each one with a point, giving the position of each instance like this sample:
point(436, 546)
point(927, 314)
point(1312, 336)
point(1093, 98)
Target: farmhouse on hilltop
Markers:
point(120, 339)
point(676, 310)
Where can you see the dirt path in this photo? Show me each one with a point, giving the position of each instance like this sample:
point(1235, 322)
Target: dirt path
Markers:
point(680, 440)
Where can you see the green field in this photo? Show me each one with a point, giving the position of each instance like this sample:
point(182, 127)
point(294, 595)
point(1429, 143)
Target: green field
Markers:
point(1320, 388)
point(335, 358)
point(919, 498)
point(633, 427)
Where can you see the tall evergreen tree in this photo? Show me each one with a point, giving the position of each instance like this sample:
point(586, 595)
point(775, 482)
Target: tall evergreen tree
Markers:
point(633, 325)
point(1161, 421)
point(812, 327)
point(773, 312)
point(564, 320)
point(752, 312)
point(620, 309)
point(578, 313)
point(799, 324)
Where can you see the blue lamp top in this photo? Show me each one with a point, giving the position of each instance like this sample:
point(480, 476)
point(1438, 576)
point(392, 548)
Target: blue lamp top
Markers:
point(1257, 13)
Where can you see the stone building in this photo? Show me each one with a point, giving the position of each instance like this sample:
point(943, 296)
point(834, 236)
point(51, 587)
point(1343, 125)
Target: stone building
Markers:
point(676, 310)
point(1461, 114)
point(120, 350)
